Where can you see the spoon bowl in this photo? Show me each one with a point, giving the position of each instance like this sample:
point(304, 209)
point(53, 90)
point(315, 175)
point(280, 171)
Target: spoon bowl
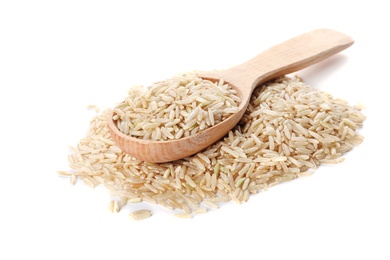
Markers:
point(287, 57)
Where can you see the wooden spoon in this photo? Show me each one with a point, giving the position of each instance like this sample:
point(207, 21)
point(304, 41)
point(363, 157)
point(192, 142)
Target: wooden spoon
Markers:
point(287, 57)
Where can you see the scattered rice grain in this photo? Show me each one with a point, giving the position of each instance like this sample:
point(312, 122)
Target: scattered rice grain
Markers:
point(140, 214)
point(183, 215)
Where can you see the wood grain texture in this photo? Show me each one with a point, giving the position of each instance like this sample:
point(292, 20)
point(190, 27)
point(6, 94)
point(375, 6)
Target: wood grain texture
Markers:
point(287, 57)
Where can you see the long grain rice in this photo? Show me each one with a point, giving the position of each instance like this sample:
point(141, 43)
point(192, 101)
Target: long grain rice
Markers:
point(175, 108)
point(288, 129)
point(140, 214)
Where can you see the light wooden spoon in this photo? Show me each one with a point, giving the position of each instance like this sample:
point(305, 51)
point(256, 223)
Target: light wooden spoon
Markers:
point(287, 57)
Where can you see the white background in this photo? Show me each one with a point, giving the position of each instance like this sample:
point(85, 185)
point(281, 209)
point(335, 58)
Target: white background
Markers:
point(58, 57)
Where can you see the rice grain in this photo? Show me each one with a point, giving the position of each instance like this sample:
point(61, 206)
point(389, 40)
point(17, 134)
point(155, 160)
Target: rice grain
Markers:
point(288, 130)
point(140, 214)
point(177, 107)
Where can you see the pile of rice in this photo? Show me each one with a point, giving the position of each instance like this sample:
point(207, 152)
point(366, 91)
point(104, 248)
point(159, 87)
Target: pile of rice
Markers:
point(288, 128)
point(175, 108)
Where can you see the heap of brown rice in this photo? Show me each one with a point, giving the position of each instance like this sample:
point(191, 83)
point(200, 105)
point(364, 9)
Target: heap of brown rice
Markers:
point(288, 128)
point(175, 108)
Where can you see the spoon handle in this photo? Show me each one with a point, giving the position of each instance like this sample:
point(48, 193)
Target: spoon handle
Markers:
point(287, 57)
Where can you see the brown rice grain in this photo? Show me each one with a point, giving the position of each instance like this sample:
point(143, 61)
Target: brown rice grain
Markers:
point(288, 129)
point(140, 214)
point(183, 215)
